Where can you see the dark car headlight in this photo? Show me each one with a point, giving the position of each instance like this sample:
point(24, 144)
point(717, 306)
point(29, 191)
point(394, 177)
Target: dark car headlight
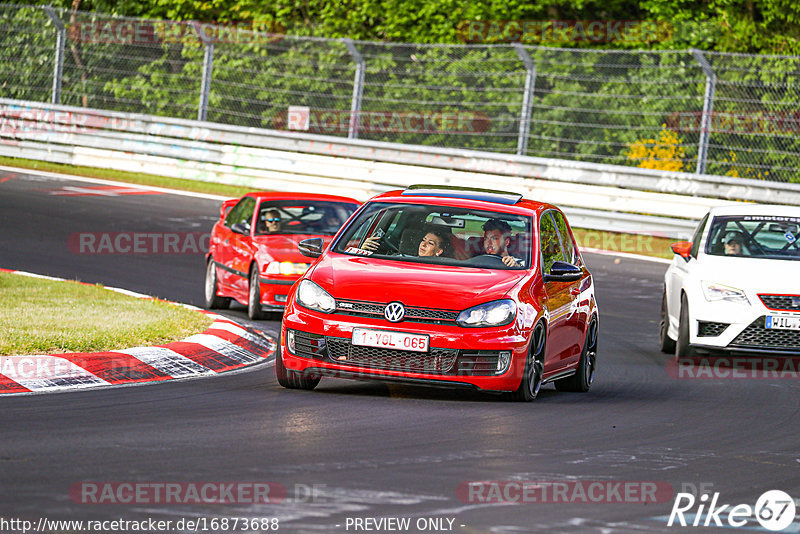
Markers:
point(311, 296)
point(495, 313)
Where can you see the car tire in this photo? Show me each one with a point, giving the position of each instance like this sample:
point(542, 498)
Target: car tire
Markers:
point(213, 301)
point(254, 310)
point(665, 343)
point(581, 381)
point(291, 379)
point(682, 347)
point(531, 381)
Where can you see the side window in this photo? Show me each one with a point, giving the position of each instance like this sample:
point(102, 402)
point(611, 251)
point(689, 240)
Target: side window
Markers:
point(242, 212)
point(570, 253)
point(549, 242)
point(698, 236)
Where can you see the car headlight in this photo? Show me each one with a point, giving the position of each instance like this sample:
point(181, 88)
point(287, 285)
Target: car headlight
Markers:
point(496, 313)
point(285, 268)
point(310, 295)
point(714, 291)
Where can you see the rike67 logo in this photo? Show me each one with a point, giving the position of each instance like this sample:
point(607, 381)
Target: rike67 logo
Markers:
point(774, 510)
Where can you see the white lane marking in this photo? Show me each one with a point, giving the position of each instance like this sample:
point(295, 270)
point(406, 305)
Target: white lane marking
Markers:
point(70, 177)
point(167, 361)
point(39, 372)
point(625, 255)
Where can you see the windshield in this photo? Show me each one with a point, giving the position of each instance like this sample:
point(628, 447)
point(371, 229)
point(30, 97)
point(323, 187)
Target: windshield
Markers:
point(439, 235)
point(755, 236)
point(302, 217)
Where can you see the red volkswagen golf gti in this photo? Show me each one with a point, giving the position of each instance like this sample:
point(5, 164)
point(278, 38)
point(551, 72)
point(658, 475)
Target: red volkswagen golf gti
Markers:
point(445, 287)
point(253, 256)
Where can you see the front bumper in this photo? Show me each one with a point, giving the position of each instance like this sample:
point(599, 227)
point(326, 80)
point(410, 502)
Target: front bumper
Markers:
point(457, 357)
point(741, 328)
point(275, 292)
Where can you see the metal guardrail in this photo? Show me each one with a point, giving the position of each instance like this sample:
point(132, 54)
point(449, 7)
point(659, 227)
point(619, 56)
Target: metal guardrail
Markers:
point(603, 197)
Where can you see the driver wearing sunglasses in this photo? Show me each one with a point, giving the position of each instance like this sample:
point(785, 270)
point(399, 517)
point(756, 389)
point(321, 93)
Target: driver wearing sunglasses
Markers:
point(272, 220)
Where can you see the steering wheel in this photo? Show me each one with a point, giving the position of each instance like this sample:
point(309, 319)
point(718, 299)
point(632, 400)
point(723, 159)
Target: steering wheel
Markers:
point(391, 246)
point(487, 260)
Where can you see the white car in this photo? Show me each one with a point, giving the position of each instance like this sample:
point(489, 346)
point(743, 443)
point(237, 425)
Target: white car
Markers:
point(736, 285)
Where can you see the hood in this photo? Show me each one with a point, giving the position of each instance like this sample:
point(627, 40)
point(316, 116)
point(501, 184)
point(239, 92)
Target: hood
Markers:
point(752, 274)
point(413, 284)
point(283, 247)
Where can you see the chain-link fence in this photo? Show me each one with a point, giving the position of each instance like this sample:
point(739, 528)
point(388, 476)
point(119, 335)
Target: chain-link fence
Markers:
point(683, 110)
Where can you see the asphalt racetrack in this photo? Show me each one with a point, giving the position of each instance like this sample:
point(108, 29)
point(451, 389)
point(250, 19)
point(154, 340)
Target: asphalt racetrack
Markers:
point(367, 451)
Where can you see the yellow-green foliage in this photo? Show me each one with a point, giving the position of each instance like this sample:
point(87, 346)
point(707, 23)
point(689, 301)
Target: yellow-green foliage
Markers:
point(738, 171)
point(665, 153)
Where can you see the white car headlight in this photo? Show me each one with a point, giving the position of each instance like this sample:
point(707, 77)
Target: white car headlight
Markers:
point(286, 268)
point(310, 295)
point(714, 291)
point(496, 313)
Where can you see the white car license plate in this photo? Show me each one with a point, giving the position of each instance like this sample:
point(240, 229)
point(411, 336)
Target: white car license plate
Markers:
point(783, 322)
point(386, 339)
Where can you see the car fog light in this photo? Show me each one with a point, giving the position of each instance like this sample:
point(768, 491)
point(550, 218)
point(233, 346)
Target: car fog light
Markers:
point(290, 340)
point(503, 360)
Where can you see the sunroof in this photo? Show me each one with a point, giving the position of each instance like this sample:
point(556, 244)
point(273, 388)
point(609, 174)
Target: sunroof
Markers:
point(487, 195)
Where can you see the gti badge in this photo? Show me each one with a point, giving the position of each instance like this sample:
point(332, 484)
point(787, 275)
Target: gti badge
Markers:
point(394, 312)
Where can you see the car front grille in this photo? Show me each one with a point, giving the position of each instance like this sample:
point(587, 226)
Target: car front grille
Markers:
point(437, 361)
point(709, 329)
point(757, 336)
point(781, 302)
point(477, 362)
point(308, 345)
point(414, 315)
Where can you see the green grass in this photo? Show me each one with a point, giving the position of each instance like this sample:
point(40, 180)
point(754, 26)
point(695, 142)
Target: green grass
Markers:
point(634, 244)
point(47, 317)
point(645, 245)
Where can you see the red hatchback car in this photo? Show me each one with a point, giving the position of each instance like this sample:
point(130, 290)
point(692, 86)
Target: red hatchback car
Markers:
point(253, 252)
point(446, 287)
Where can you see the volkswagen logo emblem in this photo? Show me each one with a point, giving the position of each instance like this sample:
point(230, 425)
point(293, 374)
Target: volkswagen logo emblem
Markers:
point(795, 302)
point(394, 312)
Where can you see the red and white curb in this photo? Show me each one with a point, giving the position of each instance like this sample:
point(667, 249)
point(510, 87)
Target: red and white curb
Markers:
point(224, 346)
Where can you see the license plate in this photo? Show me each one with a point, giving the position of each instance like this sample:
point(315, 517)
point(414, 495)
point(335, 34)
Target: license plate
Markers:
point(783, 322)
point(386, 339)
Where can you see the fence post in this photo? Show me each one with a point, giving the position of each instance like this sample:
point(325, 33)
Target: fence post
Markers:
point(58, 68)
point(208, 60)
point(527, 99)
point(358, 88)
point(708, 110)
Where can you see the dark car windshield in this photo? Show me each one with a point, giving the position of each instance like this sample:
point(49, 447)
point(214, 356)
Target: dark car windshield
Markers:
point(755, 236)
point(439, 235)
point(302, 216)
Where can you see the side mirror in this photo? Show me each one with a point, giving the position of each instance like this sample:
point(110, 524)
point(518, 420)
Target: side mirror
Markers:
point(240, 228)
point(682, 249)
point(562, 271)
point(226, 207)
point(311, 247)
